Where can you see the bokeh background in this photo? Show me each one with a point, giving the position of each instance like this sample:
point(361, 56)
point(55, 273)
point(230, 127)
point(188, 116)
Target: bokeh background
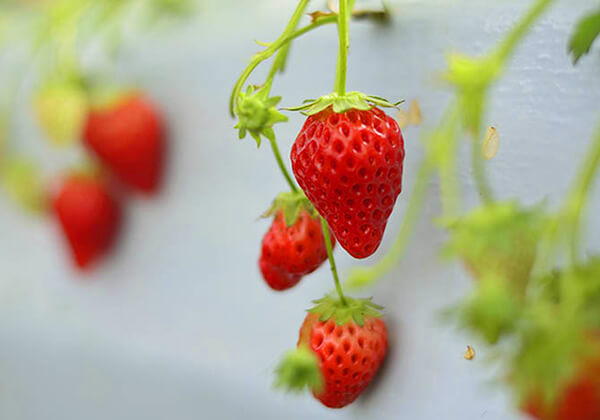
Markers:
point(178, 323)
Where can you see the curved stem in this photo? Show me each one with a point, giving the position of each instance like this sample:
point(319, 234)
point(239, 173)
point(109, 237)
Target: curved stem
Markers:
point(344, 39)
point(573, 210)
point(281, 165)
point(267, 53)
point(329, 247)
point(478, 164)
point(520, 29)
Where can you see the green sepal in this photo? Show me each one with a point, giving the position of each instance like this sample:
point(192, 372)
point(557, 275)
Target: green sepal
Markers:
point(299, 369)
point(291, 203)
point(585, 33)
point(340, 104)
point(352, 310)
point(492, 311)
point(257, 113)
point(23, 182)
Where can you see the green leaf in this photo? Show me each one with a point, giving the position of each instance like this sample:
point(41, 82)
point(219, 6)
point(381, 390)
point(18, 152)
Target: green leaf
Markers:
point(585, 33)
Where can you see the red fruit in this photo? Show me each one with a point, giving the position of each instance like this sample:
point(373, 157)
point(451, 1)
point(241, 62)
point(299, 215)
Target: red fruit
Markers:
point(350, 167)
point(349, 355)
point(291, 252)
point(578, 400)
point(90, 217)
point(128, 137)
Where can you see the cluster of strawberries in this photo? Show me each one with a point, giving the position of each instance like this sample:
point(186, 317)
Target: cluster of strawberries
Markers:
point(349, 165)
point(128, 138)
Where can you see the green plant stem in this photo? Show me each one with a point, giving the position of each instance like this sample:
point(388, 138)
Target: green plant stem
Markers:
point(449, 183)
point(479, 174)
point(281, 165)
point(517, 33)
point(413, 212)
point(258, 58)
point(329, 246)
point(574, 207)
point(344, 41)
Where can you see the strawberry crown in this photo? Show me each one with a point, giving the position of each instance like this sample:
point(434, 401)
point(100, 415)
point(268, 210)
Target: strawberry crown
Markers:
point(299, 369)
point(353, 309)
point(343, 103)
point(291, 204)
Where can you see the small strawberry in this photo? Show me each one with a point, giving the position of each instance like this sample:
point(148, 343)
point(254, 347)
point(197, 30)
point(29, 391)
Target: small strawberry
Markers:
point(350, 164)
point(90, 217)
point(294, 245)
point(340, 349)
point(127, 134)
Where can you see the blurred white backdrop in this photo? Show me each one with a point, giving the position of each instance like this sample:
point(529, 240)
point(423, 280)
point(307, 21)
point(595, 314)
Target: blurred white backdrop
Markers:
point(178, 323)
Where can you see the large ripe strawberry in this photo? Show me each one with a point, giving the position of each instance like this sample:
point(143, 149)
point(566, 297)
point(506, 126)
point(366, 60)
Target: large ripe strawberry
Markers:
point(294, 245)
point(127, 134)
point(340, 349)
point(90, 217)
point(350, 165)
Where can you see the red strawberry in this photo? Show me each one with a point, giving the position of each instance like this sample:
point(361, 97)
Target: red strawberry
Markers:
point(348, 345)
point(90, 217)
point(578, 400)
point(127, 136)
point(350, 167)
point(294, 245)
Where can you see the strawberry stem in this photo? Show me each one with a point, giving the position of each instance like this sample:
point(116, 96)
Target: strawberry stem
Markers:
point(336, 279)
point(479, 174)
point(281, 165)
point(344, 39)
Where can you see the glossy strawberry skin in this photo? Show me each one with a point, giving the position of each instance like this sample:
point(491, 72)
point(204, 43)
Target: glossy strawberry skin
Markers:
point(350, 167)
point(579, 400)
point(128, 137)
point(89, 216)
point(291, 252)
point(349, 356)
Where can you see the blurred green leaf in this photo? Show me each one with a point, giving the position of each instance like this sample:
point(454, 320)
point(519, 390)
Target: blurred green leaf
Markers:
point(585, 33)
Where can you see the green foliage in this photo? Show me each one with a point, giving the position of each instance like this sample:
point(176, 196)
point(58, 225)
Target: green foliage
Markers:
point(492, 310)
point(498, 239)
point(257, 114)
point(585, 33)
point(353, 309)
point(299, 369)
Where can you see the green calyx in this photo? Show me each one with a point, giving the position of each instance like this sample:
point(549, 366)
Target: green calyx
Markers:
point(340, 104)
point(354, 309)
point(492, 311)
point(498, 239)
point(257, 113)
point(299, 369)
point(291, 204)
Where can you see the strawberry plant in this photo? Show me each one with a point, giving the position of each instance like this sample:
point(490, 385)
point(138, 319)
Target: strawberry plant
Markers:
point(534, 299)
point(122, 130)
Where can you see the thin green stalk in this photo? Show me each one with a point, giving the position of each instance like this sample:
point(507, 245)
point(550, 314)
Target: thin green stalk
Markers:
point(344, 41)
point(329, 246)
point(258, 58)
point(281, 165)
point(573, 210)
point(517, 33)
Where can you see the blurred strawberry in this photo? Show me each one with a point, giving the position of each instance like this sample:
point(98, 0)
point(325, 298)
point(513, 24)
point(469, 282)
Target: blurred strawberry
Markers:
point(126, 132)
point(21, 179)
point(89, 215)
point(60, 108)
